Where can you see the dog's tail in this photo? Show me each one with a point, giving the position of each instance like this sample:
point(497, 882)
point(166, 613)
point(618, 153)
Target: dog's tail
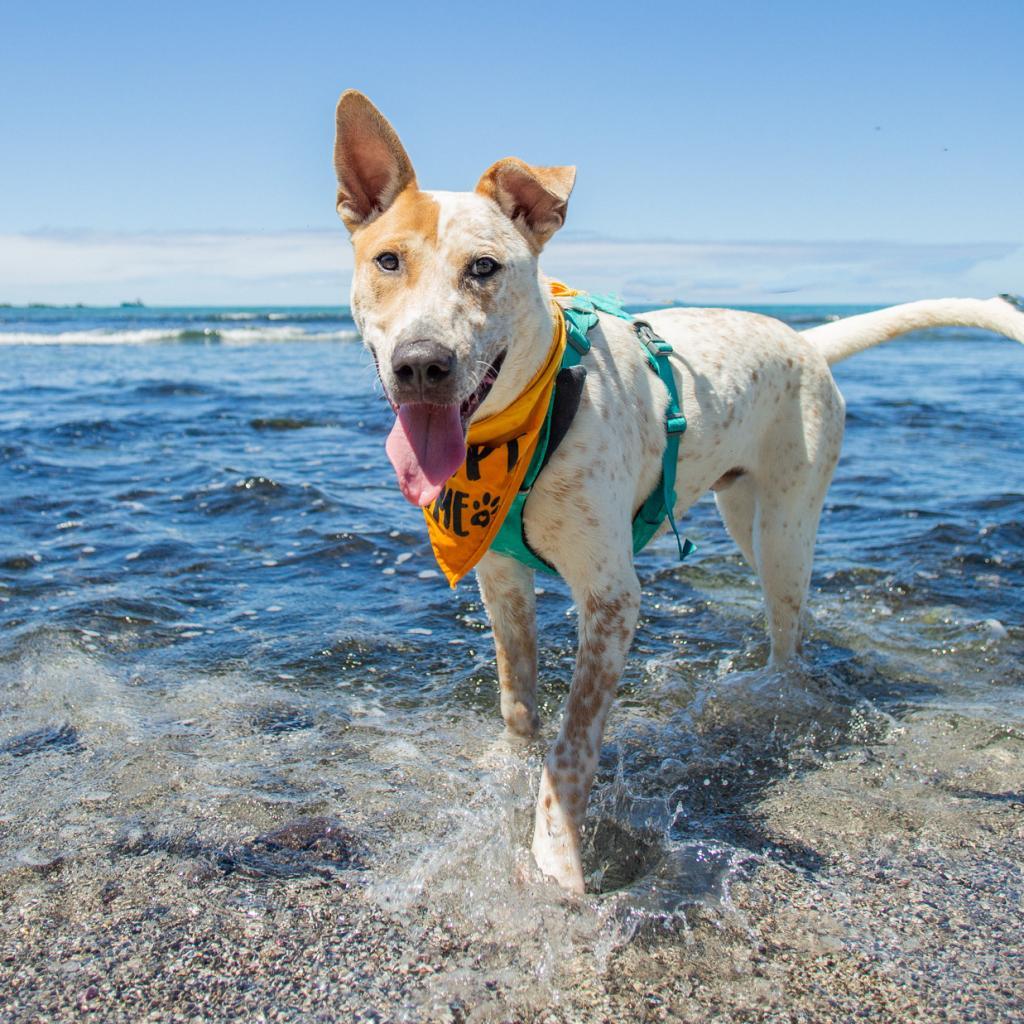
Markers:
point(847, 337)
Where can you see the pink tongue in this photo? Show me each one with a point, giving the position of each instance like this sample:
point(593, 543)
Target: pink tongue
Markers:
point(426, 445)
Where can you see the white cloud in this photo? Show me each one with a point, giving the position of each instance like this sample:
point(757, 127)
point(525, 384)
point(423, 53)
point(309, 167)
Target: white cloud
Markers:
point(176, 268)
point(787, 272)
point(314, 267)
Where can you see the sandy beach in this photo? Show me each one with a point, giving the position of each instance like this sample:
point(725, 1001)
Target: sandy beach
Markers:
point(905, 908)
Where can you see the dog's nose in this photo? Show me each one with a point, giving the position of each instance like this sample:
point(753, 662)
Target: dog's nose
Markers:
point(422, 364)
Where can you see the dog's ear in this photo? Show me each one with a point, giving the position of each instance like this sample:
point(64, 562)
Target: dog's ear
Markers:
point(371, 164)
point(535, 199)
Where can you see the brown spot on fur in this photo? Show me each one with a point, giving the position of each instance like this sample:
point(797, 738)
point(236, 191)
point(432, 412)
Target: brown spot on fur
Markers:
point(408, 228)
point(600, 608)
point(605, 618)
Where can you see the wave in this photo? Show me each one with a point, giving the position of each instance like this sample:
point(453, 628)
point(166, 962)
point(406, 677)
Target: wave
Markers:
point(150, 335)
point(312, 316)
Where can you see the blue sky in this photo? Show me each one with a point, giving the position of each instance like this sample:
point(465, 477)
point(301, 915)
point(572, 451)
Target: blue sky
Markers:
point(771, 139)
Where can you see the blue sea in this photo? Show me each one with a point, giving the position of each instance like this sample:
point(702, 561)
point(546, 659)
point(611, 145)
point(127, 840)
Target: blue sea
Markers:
point(218, 614)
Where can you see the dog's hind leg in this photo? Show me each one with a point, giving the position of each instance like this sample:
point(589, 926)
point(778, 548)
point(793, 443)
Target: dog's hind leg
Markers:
point(776, 535)
point(608, 604)
point(784, 536)
point(789, 492)
point(507, 589)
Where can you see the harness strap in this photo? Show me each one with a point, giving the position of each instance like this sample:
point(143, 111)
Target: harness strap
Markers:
point(580, 315)
point(661, 506)
point(568, 394)
point(578, 323)
point(511, 538)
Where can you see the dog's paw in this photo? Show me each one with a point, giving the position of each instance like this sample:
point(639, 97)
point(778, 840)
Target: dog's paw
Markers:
point(559, 863)
point(556, 841)
point(521, 720)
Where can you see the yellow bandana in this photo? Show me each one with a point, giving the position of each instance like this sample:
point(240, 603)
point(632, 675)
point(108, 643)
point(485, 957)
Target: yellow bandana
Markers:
point(472, 505)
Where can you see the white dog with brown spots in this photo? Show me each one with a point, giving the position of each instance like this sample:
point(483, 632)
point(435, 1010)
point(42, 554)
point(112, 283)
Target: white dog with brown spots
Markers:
point(449, 299)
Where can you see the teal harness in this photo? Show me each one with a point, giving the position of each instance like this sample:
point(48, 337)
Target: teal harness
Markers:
point(580, 319)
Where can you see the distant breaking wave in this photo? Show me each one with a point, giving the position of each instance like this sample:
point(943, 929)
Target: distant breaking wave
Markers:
point(150, 335)
point(138, 325)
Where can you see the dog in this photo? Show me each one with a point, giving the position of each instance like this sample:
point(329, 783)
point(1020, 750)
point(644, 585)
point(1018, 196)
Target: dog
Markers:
point(448, 297)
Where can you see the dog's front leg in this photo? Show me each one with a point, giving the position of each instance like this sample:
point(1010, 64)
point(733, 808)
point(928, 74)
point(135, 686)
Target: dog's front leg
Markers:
point(608, 605)
point(507, 590)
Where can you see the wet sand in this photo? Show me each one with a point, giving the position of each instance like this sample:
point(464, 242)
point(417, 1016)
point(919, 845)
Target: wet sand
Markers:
point(905, 907)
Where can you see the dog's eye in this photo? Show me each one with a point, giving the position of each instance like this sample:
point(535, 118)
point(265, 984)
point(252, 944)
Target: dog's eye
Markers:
point(484, 267)
point(387, 261)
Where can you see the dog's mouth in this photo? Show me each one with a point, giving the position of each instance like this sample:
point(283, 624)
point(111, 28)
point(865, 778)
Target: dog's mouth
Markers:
point(483, 389)
point(428, 442)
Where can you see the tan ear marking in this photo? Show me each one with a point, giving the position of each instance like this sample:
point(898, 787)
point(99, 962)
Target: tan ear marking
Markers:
point(535, 199)
point(370, 162)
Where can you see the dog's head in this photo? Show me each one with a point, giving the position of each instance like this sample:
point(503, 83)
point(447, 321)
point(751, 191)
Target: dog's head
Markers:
point(445, 290)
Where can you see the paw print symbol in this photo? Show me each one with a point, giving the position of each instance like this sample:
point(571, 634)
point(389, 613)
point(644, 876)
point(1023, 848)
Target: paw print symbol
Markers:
point(484, 509)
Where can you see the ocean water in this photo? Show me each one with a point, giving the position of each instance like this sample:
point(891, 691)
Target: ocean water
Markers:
point(218, 615)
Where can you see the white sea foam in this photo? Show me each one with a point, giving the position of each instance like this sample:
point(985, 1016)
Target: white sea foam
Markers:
point(149, 335)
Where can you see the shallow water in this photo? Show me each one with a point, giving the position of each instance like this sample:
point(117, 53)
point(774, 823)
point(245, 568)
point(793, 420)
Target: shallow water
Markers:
point(218, 617)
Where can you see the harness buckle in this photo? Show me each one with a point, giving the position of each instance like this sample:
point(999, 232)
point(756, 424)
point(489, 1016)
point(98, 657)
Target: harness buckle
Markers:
point(656, 346)
point(579, 341)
